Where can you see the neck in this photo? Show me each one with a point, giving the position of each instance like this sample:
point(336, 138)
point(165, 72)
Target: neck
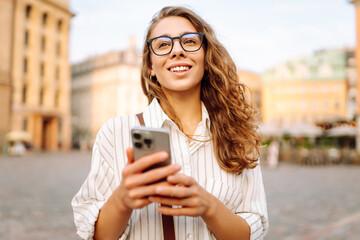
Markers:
point(187, 107)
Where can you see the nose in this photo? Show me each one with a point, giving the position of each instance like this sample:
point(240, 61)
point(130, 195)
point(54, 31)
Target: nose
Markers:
point(177, 50)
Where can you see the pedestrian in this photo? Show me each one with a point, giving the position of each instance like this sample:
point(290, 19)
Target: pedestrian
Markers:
point(273, 153)
point(214, 182)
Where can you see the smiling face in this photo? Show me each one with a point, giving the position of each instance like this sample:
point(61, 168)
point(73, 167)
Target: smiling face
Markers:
point(178, 71)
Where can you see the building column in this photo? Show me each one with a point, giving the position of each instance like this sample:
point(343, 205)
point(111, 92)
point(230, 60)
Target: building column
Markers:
point(36, 130)
point(52, 134)
point(66, 133)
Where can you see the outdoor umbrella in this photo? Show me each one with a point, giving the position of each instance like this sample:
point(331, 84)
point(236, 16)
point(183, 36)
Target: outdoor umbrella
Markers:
point(18, 136)
point(303, 130)
point(269, 130)
point(342, 131)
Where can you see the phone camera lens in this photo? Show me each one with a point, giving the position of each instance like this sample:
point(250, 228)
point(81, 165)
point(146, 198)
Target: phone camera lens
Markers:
point(138, 145)
point(137, 136)
point(147, 141)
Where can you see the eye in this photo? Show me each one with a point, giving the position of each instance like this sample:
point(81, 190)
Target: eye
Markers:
point(190, 39)
point(162, 42)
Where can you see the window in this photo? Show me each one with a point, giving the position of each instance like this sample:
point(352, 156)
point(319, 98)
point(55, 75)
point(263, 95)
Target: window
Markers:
point(28, 12)
point(57, 73)
point(58, 48)
point(57, 98)
point(25, 65)
point(44, 19)
point(41, 101)
point(314, 105)
point(26, 40)
point(303, 105)
point(25, 124)
point(43, 43)
point(24, 91)
point(314, 89)
point(42, 70)
point(324, 88)
point(304, 119)
point(336, 87)
point(59, 26)
point(325, 104)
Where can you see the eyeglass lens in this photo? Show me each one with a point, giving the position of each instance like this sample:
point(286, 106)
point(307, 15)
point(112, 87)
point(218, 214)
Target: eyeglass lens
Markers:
point(190, 42)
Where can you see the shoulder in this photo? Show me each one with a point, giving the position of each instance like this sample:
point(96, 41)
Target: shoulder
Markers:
point(113, 139)
point(117, 125)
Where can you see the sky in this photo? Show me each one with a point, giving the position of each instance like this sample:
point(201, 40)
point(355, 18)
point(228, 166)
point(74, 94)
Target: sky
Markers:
point(258, 34)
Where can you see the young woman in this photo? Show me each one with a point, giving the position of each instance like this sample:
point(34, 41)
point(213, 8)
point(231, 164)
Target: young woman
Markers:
point(215, 182)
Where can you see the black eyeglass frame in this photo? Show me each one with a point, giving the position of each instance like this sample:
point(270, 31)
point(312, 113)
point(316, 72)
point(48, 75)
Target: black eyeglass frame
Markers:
point(149, 42)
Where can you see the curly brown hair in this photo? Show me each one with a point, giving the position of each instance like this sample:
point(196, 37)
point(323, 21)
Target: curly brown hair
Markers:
point(232, 117)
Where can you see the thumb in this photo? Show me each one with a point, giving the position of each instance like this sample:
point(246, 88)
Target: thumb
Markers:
point(130, 155)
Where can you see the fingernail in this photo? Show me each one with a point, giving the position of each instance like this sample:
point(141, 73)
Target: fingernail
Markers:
point(177, 166)
point(163, 156)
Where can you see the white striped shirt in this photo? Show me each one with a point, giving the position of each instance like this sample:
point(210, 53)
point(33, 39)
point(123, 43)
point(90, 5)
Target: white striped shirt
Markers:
point(243, 194)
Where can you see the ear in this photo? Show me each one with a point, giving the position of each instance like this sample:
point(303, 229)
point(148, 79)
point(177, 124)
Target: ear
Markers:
point(152, 73)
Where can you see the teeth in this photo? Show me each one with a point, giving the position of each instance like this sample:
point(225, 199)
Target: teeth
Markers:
point(179, 69)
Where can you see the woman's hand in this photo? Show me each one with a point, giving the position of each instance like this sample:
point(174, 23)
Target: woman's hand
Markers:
point(185, 192)
point(136, 186)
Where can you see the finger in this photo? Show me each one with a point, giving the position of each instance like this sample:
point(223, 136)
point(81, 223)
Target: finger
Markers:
point(143, 163)
point(130, 155)
point(173, 191)
point(144, 191)
point(140, 203)
point(182, 211)
point(157, 174)
point(184, 202)
point(149, 160)
point(181, 179)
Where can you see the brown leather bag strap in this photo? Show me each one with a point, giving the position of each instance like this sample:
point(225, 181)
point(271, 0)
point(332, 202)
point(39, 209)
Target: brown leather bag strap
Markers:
point(141, 119)
point(167, 221)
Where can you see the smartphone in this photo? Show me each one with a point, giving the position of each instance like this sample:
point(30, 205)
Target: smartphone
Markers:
point(148, 140)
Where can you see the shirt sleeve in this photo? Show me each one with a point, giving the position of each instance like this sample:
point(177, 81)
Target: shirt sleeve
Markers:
point(98, 186)
point(253, 207)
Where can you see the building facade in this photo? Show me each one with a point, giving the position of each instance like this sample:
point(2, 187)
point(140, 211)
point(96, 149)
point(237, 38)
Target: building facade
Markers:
point(357, 57)
point(253, 81)
point(35, 71)
point(310, 89)
point(104, 87)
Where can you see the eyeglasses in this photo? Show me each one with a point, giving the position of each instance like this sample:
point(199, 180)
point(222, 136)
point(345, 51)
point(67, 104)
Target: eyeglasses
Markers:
point(190, 42)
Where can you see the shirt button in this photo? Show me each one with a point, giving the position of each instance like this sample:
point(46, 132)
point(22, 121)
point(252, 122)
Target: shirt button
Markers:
point(189, 236)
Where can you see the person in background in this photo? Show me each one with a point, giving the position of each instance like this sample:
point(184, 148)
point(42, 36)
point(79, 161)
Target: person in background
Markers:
point(214, 182)
point(273, 153)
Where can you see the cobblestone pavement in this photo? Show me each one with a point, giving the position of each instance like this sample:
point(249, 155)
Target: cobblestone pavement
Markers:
point(304, 203)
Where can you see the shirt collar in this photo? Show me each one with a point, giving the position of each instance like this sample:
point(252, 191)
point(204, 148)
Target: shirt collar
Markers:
point(205, 117)
point(154, 116)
